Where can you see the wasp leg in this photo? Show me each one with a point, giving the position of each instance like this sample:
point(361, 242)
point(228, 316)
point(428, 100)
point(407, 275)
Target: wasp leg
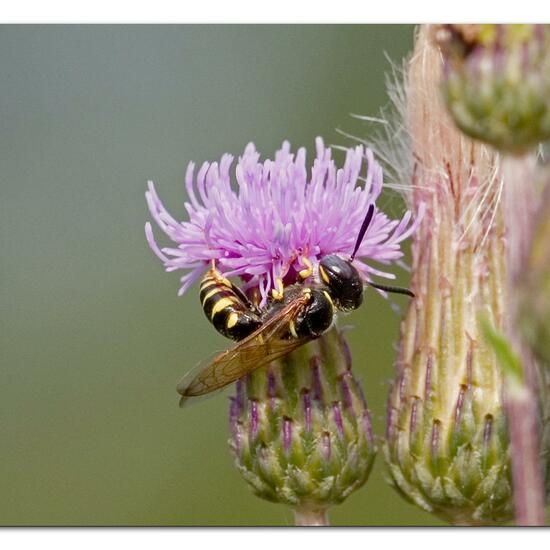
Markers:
point(278, 291)
point(307, 272)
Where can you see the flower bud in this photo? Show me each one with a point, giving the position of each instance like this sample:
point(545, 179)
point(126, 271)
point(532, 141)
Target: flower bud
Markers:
point(301, 430)
point(496, 82)
point(447, 445)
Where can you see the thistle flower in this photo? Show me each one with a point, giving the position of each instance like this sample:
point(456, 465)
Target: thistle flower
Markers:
point(279, 221)
point(447, 446)
point(300, 427)
point(497, 82)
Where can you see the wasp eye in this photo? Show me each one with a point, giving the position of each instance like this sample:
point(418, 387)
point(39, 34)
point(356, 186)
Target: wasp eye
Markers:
point(343, 280)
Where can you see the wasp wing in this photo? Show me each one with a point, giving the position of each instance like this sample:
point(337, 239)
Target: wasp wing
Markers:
point(260, 348)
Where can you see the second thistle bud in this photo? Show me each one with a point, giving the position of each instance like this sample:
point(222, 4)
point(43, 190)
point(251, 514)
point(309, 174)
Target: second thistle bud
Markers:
point(497, 82)
point(447, 446)
point(447, 441)
point(301, 430)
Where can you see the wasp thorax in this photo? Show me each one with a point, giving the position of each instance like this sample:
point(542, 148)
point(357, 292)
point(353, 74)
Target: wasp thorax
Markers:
point(316, 317)
point(343, 280)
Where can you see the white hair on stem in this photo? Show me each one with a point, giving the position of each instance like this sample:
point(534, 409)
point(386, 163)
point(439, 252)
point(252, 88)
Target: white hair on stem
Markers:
point(439, 150)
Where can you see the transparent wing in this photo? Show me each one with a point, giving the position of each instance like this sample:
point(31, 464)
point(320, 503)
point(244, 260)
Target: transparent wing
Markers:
point(260, 348)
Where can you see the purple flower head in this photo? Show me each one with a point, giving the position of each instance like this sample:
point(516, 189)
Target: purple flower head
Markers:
point(278, 219)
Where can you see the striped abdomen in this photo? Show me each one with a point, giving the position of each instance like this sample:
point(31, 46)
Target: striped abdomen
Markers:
point(226, 307)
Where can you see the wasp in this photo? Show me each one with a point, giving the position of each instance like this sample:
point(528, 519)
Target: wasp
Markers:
point(295, 316)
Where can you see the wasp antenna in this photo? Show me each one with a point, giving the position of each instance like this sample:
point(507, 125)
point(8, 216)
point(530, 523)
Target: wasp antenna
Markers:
point(363, 230)
point(394, 289)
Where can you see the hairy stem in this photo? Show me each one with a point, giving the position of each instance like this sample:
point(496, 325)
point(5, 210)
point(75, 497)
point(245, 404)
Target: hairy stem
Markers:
point(522, 411)
point(521, 397)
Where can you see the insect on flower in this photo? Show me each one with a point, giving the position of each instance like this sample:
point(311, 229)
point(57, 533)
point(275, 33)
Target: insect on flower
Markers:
point(289, 239)
point(295, 316)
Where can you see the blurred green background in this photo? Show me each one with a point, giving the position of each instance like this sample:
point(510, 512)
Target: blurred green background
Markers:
point(93, 337)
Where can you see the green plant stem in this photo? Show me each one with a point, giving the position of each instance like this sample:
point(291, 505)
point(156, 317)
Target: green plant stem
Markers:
point(311, 517)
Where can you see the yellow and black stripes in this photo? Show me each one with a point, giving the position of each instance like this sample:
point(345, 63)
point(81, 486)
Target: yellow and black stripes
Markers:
point(226, 307)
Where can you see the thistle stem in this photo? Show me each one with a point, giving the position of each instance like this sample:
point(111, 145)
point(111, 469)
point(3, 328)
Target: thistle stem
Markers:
point(311, 517)
point(525, 447)
point(521, 396)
